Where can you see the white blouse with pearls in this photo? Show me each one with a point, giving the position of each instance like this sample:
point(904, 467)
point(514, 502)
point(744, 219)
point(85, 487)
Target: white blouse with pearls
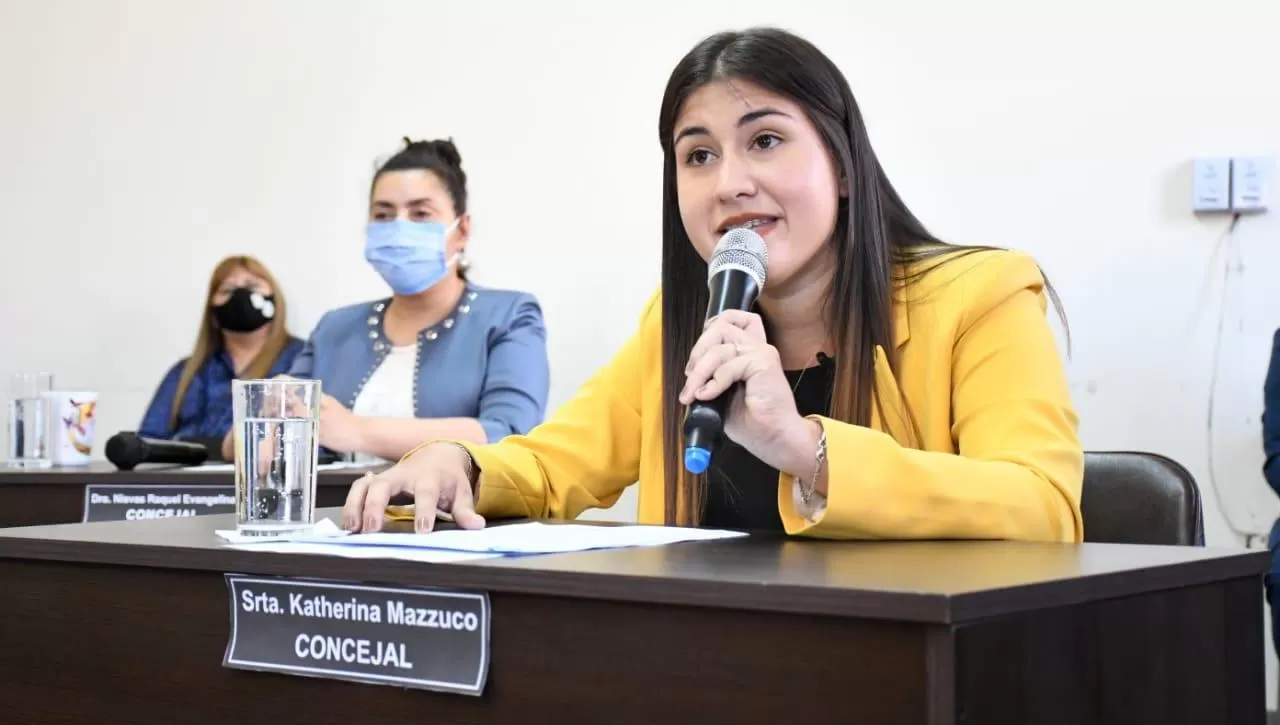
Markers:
point(389, 391)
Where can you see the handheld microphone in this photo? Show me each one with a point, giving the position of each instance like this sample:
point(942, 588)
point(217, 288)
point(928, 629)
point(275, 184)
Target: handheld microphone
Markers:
point(735, 277)
point(127, 449)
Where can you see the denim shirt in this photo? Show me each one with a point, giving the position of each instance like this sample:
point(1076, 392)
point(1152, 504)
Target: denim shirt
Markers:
point(206, 406)
point(487, 360)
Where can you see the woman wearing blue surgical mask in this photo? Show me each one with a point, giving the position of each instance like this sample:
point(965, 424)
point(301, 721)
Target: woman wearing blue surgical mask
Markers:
point(440, 357)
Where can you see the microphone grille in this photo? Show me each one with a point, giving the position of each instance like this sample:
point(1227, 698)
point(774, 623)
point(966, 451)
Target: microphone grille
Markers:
point(741, 249)
point(124, 449)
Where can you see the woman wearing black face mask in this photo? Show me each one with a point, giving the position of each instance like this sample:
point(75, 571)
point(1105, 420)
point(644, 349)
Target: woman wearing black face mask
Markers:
point(242, 335)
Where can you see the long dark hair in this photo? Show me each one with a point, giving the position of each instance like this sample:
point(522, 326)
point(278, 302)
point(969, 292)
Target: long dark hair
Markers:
point(876, 239)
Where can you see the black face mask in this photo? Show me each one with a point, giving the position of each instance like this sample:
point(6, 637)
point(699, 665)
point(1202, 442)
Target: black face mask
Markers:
point(245, 311)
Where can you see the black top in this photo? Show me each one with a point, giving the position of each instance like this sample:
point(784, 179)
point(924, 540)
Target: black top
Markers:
point(742, 490)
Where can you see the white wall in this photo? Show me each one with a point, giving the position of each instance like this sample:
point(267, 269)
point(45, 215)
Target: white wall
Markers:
point(142, 140)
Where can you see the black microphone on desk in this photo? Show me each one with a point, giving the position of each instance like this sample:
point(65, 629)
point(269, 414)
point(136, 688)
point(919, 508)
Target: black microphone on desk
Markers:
point(735, 276)
point(127, 449)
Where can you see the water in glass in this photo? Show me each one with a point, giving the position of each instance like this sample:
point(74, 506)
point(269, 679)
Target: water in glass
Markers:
point(275, 459)
point(28, 423)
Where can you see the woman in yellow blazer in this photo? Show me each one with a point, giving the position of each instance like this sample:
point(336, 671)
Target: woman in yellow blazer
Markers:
point(892, 386)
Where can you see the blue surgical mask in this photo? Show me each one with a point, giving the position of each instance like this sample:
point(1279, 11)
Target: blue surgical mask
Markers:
point(411, 256)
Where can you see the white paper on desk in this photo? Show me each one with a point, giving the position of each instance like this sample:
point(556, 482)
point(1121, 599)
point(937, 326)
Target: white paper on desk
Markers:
point(230, 467)
point(323, 530)
point(426, 556)
point(538, 538)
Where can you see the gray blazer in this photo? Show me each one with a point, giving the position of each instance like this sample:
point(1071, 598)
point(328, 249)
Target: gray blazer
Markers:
point(487, 360)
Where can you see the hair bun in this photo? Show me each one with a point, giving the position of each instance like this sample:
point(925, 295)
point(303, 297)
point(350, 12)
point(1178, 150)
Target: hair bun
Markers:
point(440, 157)
point(443, 149)
point(446, 150)
point(411, 145)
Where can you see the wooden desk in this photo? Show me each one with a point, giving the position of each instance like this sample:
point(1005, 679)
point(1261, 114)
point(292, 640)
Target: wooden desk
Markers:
point(56, 495)
point(127, 622)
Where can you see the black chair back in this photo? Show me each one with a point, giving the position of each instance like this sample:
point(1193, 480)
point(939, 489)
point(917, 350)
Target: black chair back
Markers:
point(1140, 498)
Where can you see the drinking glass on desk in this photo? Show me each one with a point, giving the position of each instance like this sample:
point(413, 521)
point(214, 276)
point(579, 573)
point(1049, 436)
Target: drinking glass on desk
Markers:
point(275, 425)
point(29, 420)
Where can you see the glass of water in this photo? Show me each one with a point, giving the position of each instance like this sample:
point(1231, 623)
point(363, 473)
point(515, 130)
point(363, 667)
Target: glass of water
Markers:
point(29, 420)
point(276, 447)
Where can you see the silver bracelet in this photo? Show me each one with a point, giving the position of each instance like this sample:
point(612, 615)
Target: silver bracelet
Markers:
point(806, 492)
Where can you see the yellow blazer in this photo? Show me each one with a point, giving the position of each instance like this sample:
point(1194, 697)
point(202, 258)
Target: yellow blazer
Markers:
point(999, 459)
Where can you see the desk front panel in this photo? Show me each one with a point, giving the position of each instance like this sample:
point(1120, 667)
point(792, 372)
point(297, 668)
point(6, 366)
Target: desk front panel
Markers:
point(115, 644)
point(1185, 656)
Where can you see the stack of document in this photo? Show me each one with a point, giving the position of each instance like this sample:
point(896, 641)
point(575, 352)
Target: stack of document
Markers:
point(462, 545)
